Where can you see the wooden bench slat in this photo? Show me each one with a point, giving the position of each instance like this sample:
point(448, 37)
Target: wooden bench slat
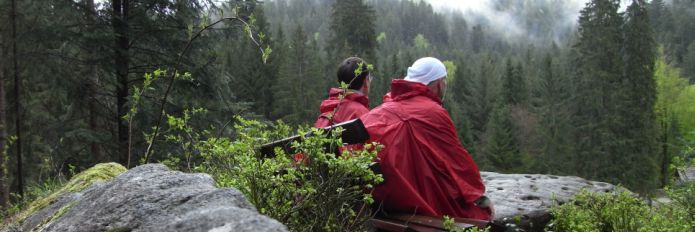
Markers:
point(409, 222)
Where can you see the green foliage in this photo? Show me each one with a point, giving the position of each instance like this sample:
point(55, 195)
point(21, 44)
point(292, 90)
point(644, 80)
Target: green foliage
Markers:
point(674, 108)
point(684, 110)
point(501, 149)
point(300, 84)
point(551, 96)
point(476, 95)
point(614, 96)
point(308, 191)
point(450, 225)
point(450, 70)
point(620, 211)
point(689, 63)
point(33, 192)
point(683, 197)
point(352, 30)
point(422, 45)
point(676, 30)
point(514, 91)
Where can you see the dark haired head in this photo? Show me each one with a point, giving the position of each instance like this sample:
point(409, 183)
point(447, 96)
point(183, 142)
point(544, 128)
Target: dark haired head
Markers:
point(346, 72)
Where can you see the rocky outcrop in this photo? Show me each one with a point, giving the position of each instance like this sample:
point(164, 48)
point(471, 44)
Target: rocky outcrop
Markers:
point(525, 200)
point(152, 198)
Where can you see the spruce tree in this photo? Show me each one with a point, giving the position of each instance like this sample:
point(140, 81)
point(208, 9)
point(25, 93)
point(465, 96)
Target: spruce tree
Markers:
point(501, 143)
point(352, 30)
point(659, 18)
point(501, 151)
point(455, 104)
point(480, 96)
point(246, 66)
point(598, 68)
point(300, 84)
point(478, 39)
point(689, 63)
point(550, 103)
point(4, 173)
point(513, 85)
point(638, 92)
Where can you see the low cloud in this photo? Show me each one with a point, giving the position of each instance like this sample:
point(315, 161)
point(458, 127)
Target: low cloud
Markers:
point(534, 20)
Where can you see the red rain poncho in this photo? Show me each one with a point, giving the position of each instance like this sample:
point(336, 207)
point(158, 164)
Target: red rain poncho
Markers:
point(426, 169)
point(353, 106)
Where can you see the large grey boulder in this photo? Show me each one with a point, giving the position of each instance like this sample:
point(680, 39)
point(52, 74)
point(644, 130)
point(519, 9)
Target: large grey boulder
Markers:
point(525, 199)
point(153, 198)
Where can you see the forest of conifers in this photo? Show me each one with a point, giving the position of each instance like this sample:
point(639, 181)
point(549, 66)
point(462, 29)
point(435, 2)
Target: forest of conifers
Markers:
point(608, 97)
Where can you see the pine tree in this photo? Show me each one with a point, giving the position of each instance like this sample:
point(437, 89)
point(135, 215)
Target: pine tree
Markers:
point(638, 90)
point(455, 104)
point(19, 119)
point(689, 63)
point(120, 11)
point(514, 86)
point(681, 35)
point(352, 30)
point(550, 103)
point(300, 83)
point(660, 18)
point(249, 73)
point(381, 84)
point(4, 173)
point(501, 150)
point(501, 143)
point(479, 96)
point(478, 39)
point(598, 67)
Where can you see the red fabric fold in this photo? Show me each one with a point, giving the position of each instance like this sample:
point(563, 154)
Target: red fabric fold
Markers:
point(426, 169)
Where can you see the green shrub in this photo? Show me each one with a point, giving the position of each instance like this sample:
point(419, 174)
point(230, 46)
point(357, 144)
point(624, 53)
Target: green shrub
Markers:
point(320, 192)
point(619, 211)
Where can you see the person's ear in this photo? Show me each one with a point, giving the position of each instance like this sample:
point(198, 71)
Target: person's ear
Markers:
point(440, 84)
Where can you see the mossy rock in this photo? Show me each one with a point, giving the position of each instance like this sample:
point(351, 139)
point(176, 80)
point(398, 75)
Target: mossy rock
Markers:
point(99, 173)
point(149, 197)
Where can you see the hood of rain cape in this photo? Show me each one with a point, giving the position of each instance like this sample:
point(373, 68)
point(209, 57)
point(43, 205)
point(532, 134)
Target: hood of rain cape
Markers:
point(354, 105)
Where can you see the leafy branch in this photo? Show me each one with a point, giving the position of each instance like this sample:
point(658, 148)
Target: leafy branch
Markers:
point(247, 28)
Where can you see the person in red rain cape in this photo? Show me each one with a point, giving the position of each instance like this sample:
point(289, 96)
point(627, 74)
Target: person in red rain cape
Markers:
point(356, 103)
point(426, 169)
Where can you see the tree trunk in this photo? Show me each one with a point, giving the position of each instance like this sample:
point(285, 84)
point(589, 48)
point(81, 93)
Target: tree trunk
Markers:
point(91, 76)
point(18, 116)
point(4, 175)
point(120, 27)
